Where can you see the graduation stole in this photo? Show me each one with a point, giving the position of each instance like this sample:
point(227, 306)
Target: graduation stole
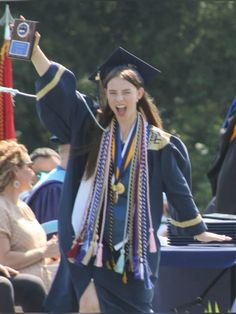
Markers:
point(89, 242)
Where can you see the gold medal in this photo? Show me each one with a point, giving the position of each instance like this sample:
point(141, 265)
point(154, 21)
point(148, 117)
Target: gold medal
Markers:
point(119, 188)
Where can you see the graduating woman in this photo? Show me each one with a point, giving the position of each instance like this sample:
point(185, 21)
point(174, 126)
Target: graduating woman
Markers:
point(121, 163)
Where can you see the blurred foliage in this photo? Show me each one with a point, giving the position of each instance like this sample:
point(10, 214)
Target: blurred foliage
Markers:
point(191, 41)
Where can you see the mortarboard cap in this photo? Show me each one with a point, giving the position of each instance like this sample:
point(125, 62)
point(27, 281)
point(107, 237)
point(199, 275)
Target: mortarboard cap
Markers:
point(122, 57)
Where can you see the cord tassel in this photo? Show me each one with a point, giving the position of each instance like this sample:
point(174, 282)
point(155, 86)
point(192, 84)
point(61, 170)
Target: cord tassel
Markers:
point(82, 252)
point(80, 257)
point(98, 261)
point(125, 278)
point(88, 254)
point(152, 242)
point(136, 267)
point(71, 254)
point(147, 281)
point(119, 268)
point(95, 250)
point(141, 270)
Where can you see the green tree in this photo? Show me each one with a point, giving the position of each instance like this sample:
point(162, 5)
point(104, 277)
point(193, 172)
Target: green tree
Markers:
point(191, 41)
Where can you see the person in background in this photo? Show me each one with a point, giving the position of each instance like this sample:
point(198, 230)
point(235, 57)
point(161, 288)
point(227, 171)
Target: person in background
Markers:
point(26, 291)
point(112, 199)
point(23, 242)
point(222, 173)
point(45, 195)
point(44, 159)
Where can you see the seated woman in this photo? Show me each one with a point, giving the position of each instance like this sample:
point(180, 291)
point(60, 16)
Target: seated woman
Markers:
point(16, 288)
point(23, 242)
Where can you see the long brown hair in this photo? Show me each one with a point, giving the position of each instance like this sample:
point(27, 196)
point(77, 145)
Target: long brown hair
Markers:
point(145, 105)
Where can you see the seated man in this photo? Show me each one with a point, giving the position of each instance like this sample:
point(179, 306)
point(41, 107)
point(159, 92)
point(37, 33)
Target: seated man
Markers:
point(44, 160)
point(44, 198)
point(22, 290)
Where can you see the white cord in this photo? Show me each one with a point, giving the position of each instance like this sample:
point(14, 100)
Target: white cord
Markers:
point(14, 92)
point(90, 111)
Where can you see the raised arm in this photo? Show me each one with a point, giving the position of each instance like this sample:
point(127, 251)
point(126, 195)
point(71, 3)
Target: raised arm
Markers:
point(61, 109)
point(39, 60)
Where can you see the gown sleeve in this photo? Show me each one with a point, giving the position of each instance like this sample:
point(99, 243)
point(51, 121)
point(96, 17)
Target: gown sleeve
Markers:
point(59, 107)
point(185, 216)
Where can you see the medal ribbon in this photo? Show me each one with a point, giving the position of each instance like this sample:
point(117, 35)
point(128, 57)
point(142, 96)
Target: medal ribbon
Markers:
point(121, 157)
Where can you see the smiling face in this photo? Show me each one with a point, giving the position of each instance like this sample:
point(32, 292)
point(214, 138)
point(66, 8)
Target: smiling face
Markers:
point(24, 174)
point(122, 97)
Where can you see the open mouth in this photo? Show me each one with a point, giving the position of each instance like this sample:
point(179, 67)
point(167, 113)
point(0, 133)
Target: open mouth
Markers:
point(121, 109)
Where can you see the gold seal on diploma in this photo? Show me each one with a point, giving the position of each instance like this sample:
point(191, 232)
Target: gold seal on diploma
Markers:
point(22, 39)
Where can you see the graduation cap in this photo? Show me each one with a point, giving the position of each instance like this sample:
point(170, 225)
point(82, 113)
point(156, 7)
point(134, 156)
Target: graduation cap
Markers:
point(122, 57)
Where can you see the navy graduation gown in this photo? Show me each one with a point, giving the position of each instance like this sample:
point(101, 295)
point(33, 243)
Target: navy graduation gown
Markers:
point(44, 198)
point(64, 114)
